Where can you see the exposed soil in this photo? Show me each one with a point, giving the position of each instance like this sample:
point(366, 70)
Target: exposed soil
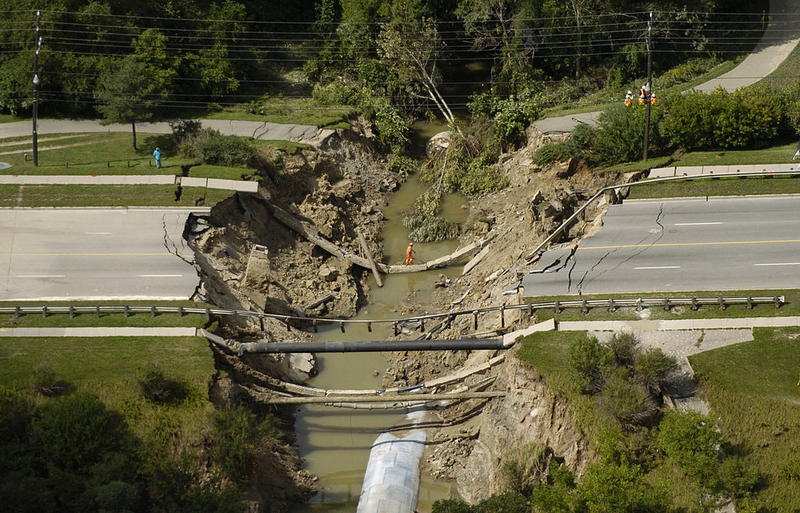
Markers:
point(250, 260)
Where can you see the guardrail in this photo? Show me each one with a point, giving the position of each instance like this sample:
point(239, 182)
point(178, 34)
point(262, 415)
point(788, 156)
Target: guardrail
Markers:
point(443, 319)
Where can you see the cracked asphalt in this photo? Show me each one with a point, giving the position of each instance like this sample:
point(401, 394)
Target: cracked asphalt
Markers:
point(675, 245)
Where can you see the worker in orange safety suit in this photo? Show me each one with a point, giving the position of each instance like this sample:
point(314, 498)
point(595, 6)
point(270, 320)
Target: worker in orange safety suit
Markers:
point(409, 253)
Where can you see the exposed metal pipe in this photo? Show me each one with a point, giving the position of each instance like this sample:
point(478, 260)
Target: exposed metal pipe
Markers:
point(385, 398)
point(370, 346)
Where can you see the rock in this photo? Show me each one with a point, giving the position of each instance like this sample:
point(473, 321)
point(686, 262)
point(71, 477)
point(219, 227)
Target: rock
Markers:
point(328, 273)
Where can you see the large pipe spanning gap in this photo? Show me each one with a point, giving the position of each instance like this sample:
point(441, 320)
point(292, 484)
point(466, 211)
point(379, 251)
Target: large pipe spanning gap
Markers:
point(385, 398)
point(370, 346)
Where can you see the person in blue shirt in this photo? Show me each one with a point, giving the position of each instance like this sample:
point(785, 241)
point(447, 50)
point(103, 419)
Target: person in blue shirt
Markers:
point(157, 156)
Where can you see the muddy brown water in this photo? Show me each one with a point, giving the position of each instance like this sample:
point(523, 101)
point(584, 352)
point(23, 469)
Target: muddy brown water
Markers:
point(335, 442)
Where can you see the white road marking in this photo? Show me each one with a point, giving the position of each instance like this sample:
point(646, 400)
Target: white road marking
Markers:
point(40, 276)
point(159, 275)
point(98, 233)
point(777, 263)
point(697, 224)
point(658, 267)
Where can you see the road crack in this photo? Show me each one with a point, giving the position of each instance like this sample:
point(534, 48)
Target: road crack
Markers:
point(659, 216)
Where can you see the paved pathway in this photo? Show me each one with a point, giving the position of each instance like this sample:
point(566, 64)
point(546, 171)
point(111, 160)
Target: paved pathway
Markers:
point(258, 130)
point(777, 43)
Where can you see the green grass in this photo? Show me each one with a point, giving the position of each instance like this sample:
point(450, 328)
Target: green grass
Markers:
point(779, 154)
point(300, 111)
point(752, 390)
point(107, 196)
point(718, 187)
point(785, 75)
point(632, 167)
point(110, 368)
point(791, 307)
point(105, 319)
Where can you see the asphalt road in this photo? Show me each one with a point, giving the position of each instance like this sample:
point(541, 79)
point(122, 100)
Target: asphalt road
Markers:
point(94, 254)
point(680, 245)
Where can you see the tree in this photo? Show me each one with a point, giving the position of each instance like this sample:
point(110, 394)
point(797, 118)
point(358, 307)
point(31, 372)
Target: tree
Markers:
point(131, 94)
point(411, 47)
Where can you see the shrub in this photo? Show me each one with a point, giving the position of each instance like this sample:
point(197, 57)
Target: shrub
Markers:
point(451, 506)
point(526, 467)
point(628, 402)
point(505, 503)
point(44, 379)
point(335, 93)
point(237, 436)
point(690, 440)
point(624, 346)
point(738, 478)
point(158, 388)
point(424, 221)
point(588, 358)
point(76, 431)
point(550, 153)
point(610, 487)
point(653, 366)
point(223, 150)
point(620, 135)
point(117, 497)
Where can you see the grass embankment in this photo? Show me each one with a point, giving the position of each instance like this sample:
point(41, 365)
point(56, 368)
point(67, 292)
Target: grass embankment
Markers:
point(107, 196)
point(718, 187)
point(111, 368)
point(299, 111)
point(752, 390)
point(791, 306)
point(105, 319)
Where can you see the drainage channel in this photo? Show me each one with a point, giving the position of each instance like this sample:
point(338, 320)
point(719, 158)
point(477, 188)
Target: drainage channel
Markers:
point(335, 442)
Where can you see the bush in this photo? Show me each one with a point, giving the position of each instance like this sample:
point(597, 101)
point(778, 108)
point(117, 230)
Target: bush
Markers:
point(158, 388)
point(624, 346)
point(690, 440)
point(738, 478)
point(424, 221)
point(224, 150)
point(335, 93)
point(723, 120)
point(76, 431)
point(610, 487)
point(526, 467)
point(628, 402)
point(237, 436)
point(117, 497)
point(653, 366)
point(45, 382)
point(620, 135)
point(588, 358)
point(451, 506)
point(550, 153)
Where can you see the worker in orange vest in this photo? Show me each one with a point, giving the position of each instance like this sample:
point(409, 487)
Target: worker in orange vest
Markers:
point(653, 99)
point(629, 99)
point(409, 253)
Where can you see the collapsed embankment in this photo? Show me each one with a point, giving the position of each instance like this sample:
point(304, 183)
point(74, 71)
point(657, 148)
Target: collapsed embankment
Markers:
point(251, 259)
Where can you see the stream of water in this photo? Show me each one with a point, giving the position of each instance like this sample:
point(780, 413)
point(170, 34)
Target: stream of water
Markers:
point(335, 442)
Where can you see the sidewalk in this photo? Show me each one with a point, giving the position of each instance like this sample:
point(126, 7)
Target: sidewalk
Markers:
point(211, 183)
point(667, 172)
point(99, 332)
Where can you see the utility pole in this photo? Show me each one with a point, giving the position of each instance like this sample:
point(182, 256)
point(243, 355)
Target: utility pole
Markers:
point(36, 45)
point(648, 88)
